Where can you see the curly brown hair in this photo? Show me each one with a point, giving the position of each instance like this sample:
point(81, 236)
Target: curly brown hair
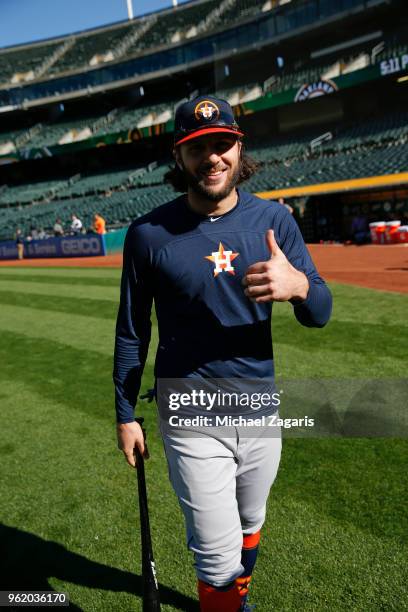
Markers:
point(176, 178)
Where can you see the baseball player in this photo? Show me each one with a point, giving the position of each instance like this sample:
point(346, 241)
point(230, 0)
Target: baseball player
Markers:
point(213, 260)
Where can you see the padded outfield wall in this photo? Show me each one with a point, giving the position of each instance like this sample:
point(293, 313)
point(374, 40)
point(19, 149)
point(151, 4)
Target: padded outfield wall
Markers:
point(90, 245)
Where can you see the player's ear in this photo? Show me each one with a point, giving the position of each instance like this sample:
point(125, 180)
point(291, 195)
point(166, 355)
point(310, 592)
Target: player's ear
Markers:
point(177, 157)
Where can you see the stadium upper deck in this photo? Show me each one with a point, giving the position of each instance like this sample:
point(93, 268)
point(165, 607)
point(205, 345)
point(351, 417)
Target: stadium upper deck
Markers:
point(120, 41)
point(193, 32)
point(340, 68)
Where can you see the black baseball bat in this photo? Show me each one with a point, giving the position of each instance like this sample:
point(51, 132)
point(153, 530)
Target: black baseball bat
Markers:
point(151, 600)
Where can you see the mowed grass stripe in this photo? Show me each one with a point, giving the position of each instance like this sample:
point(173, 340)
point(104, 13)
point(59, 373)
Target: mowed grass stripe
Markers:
point(72, 330)
point(344, 337)
point(71, 272)
point(328, 477)
point(360, 305)
point(62, 289)
point(312, 359)
point(100, 309)
point(293, 362)
point(77, 331)
point(62, 279)
point(79, 378)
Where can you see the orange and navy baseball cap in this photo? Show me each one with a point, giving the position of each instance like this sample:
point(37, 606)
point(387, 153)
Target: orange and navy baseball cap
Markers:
point(201, 116)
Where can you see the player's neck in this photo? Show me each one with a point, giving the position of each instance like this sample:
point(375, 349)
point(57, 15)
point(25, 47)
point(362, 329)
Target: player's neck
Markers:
point(201, 205)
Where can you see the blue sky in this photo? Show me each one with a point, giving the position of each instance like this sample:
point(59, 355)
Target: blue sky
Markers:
point(22, 21)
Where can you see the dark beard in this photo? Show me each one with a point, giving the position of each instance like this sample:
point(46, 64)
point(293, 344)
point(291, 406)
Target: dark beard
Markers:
point(194, 182)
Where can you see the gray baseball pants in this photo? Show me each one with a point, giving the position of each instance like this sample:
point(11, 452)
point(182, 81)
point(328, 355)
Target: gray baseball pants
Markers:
point(222, 484)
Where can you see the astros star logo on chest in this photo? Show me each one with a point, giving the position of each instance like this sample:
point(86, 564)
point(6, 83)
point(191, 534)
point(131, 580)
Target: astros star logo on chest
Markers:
point(222, 260)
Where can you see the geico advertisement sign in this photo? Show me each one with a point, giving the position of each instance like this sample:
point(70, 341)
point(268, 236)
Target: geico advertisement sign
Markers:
point(81, 246)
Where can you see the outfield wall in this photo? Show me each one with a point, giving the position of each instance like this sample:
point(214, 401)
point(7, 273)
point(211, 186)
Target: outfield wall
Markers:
point(70, 246)
point(90, 245)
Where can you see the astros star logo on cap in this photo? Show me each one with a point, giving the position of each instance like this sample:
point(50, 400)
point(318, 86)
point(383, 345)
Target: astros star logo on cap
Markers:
point(206, 109)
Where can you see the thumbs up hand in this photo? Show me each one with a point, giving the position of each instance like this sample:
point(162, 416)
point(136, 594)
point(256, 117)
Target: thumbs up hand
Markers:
point(275, 280)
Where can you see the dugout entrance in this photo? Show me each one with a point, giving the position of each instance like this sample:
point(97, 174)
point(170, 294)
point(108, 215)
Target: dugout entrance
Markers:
point(325, 213)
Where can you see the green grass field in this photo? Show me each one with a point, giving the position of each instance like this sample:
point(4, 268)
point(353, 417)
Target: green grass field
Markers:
point(335, 537)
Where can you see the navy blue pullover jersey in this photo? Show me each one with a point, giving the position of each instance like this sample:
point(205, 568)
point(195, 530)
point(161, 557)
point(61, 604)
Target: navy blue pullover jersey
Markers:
point(192, 266)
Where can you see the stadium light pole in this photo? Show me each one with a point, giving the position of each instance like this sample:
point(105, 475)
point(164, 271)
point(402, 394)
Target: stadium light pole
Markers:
point(130, 9)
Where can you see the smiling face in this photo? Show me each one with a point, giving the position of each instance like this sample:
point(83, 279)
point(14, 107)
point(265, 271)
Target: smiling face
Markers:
point(211, 164)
